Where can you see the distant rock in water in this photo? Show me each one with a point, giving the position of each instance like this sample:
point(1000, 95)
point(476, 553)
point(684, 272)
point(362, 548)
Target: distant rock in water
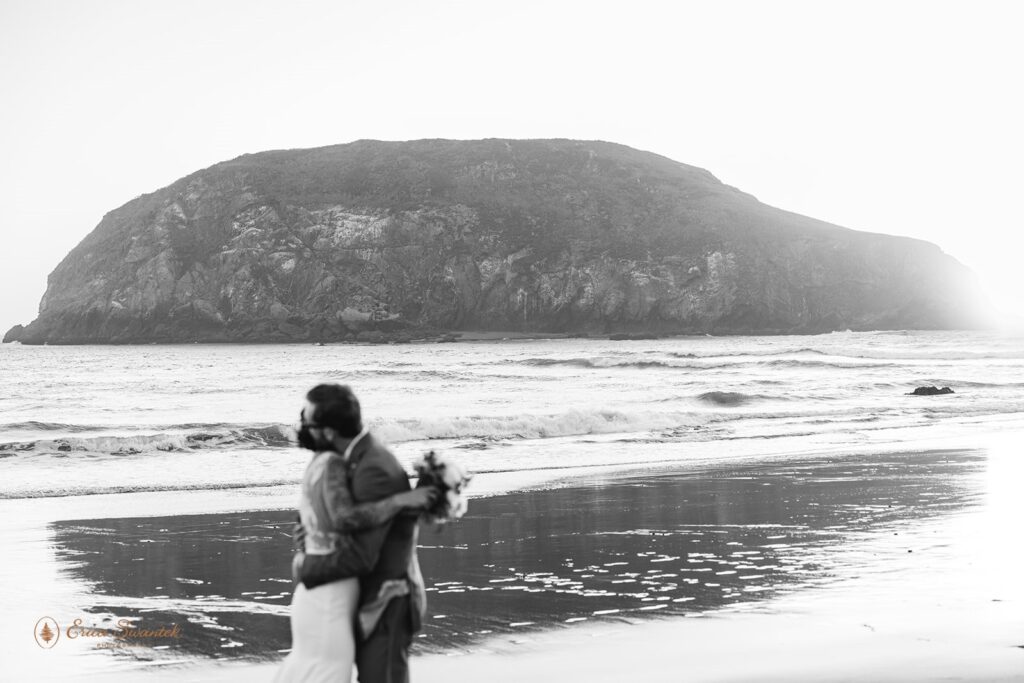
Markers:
point(931, 391)
point(382, 239)
point(725, 398)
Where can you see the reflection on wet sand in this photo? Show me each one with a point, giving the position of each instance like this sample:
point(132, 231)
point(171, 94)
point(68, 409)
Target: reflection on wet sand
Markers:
point(654, 544)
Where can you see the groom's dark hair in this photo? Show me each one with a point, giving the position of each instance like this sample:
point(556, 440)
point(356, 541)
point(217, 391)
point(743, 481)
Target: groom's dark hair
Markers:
point(336, 407)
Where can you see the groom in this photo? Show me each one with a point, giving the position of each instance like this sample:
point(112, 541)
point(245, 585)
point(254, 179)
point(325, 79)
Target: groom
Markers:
point(392, 597)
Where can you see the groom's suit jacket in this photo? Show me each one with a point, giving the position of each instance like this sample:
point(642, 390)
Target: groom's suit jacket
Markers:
point(381, 553)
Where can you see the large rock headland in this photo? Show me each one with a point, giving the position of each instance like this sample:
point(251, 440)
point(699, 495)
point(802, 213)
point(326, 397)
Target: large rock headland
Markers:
point(390, 240)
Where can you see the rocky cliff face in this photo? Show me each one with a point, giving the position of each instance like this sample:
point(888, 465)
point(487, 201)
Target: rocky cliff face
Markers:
point(549, 235)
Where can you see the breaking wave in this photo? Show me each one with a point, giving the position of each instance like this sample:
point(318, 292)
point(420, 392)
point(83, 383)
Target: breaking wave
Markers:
point(190, 437)
point(955, 383)
point(782, 352)
point(868, 354)
point(32, 425)
point(572, 423)
point(692, 364)
point(592, 363)
point(90, 490)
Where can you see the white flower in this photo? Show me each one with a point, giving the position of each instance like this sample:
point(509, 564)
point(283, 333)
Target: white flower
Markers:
point(448, 475)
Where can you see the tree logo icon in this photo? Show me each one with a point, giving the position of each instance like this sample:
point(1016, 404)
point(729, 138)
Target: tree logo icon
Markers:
point(47, 632)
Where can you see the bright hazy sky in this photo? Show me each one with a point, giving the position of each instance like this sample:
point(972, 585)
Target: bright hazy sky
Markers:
point(896, 117)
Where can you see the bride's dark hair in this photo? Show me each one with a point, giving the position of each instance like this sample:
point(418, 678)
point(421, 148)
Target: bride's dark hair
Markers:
point(335, 406)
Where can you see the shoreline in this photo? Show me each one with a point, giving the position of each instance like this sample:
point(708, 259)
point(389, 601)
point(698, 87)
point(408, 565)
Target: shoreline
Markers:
point(377, 338)
point(547, 648)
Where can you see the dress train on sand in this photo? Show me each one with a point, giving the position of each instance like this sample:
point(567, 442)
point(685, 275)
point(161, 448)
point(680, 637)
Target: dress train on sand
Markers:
point(323, 639)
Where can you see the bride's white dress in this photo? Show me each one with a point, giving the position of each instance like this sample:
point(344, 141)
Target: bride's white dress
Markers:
point(322, 619)
point(323, 640)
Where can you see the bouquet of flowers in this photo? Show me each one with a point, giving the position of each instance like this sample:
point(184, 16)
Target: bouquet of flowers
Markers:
point(450, 477)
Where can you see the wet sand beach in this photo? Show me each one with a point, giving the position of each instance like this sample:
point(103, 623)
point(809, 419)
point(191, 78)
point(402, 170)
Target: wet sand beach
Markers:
point(669, 573)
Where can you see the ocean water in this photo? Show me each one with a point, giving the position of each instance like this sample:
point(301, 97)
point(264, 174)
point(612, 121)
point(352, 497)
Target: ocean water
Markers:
point(77, 421)
point(197, 439)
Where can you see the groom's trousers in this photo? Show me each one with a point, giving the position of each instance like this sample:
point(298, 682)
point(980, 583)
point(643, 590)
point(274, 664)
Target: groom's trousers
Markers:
point(384, 656)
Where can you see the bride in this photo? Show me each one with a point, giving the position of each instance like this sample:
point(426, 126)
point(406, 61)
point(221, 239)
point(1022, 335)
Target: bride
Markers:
point(323, 618)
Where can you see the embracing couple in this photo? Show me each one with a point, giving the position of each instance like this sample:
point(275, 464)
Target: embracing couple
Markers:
point(360, 596)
